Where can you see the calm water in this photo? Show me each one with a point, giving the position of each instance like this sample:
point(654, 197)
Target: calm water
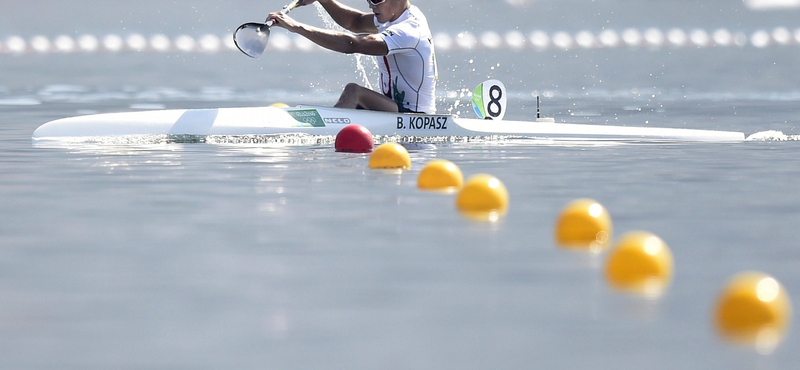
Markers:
point(263, 256)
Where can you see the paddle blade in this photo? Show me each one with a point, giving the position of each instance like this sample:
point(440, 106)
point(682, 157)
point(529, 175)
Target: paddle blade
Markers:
point(252, 38)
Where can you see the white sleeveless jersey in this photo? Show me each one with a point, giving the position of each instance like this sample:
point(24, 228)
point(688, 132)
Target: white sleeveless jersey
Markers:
point(408, 72)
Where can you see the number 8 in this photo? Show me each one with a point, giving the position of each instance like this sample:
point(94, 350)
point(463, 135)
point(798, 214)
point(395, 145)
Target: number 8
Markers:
point(489, 100)
point(495, 107)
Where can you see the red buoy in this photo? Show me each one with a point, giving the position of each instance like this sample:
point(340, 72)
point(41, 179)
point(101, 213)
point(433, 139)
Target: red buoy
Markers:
point(354, 139)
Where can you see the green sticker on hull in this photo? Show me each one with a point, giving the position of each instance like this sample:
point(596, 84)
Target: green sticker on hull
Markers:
point(307, 118)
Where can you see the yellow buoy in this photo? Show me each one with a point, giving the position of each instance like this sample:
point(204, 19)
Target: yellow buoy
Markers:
point(279, 105)
point(583, 224)
point(640, 262)
point(483, 197)
point(390, 156)
point(440, 175)
point(753, 308)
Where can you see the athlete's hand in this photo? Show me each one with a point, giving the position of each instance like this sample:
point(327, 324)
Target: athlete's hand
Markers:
point(283, 20)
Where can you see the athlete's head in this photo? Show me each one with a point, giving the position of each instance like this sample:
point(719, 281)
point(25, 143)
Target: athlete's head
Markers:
point(388, 10)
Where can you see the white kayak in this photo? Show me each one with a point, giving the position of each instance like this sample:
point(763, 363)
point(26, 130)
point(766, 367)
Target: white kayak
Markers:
point(316, 120)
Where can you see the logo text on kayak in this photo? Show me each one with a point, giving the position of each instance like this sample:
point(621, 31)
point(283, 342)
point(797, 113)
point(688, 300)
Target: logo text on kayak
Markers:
point(307, 118)
point(337, 121)
point(422, 123)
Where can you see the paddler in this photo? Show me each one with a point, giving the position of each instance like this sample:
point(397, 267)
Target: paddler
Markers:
point(397, 34)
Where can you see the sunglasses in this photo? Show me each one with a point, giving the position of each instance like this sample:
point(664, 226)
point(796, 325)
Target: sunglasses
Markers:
point(376, 2)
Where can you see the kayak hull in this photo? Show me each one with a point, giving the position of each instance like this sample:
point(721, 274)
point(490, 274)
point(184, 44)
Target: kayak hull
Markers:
point(329, 121)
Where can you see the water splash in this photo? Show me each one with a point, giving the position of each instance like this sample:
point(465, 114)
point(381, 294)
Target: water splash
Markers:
point(772, 135)
point(359, 58)
point(456, 99)
point(362, 70)
point(280, 140)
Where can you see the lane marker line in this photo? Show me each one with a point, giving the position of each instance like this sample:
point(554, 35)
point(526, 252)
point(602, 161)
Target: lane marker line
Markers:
point(537, 40)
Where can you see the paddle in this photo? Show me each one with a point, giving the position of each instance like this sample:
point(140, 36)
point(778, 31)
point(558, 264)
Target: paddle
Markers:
point(251, 38)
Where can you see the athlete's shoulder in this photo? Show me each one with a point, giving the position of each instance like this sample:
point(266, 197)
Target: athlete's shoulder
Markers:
point(416, 12)
point(415, 15)
point(412, 22)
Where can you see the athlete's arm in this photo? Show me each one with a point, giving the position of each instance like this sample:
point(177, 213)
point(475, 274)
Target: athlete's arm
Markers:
point(349, 18)
point(370, 44)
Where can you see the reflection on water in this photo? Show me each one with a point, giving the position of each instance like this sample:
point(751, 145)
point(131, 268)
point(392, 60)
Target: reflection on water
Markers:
point(214, 252)
point(289, 139)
